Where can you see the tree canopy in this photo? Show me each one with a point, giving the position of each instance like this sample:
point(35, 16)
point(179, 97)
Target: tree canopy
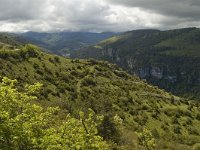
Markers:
point(27, 126)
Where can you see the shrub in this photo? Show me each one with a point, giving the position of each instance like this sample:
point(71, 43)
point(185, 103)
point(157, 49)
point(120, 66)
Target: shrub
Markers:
point(146, 139)
point(30, 50)
point(177, 129)
point(145, 107)
point(196, 146)
point(51, 60)
point(189, 121)
point(57, 59)
point(193, 131)
point(165, 127)
point(108, 130)
point(198, 116)
point(88, 82)
point(155, 133)
point(174, 120)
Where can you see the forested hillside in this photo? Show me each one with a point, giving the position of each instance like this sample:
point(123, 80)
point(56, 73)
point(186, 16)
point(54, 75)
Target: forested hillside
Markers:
point(63, 42)
point(136, 114)
point(168, 59)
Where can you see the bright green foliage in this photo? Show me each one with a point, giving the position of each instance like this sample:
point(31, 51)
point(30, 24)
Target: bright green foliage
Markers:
point(28, 126)
point(76, 134)
point(146, 139)
point(118, 120)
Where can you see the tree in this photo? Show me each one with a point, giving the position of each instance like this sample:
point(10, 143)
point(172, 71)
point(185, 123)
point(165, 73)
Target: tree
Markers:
point(146, 139)
point(26, 126)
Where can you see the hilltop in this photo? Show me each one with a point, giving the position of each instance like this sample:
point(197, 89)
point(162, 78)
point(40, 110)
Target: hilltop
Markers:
point(74, 85)
point(168, 59)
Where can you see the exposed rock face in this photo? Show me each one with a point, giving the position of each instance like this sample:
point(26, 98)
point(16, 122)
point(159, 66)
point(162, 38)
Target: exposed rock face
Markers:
point(103, 53)
point(143, 72)
point(118, 59)
point(146, 71)
point(156, 72)
point(110, 52)
point(172, 79)
point(150, 71)
point(131, 63)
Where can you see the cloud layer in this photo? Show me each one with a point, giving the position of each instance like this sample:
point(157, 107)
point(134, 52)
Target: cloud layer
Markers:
point(97, 15)
point(177, 8)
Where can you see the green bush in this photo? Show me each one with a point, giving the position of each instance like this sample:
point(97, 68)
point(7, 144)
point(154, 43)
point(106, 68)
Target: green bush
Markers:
point(88, 82)
point(146, 139)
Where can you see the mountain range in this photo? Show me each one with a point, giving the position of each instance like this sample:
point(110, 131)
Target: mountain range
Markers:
point(63, 42)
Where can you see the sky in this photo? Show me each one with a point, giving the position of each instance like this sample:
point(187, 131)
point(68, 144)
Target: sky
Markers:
point(97, 15)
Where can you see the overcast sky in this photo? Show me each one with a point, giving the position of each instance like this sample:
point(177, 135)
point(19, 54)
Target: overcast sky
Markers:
point(97, 15)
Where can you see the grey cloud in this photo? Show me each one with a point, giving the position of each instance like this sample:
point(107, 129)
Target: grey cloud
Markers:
point(97, 15)
point(54, 14)
point(176, 8)
point(16, 10)
point(80, 12)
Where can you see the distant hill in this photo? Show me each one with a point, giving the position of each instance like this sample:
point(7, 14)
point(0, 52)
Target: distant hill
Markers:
point(74, 85)
point(63, 42)
point(168, 59)
point(11, 39)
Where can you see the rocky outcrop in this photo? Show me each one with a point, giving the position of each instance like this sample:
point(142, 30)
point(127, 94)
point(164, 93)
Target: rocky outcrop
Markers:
point(171, 79)
point(131, 63)
point(156, 72)
point(143, 72)
point(118, 59)
point(110, 52)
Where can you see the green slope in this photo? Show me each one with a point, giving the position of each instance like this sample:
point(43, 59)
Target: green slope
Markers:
point(75, 85)
point(168, 59)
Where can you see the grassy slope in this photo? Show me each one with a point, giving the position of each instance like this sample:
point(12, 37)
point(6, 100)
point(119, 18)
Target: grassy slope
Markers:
point(77, 85)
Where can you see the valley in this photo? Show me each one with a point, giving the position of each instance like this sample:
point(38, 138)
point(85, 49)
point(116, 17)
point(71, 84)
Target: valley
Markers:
point(77, 85)
point(168, 59)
